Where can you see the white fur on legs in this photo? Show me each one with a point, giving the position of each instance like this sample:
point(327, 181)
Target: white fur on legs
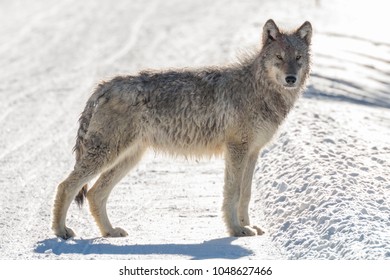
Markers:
point(98, 195)
point(245, 196)
point(235, 161)
point(66, 192)
point(239, 167)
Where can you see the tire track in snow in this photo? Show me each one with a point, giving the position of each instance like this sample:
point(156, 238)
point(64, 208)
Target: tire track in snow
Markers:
point(353, 69)
point(29, 23)
point(134, 34)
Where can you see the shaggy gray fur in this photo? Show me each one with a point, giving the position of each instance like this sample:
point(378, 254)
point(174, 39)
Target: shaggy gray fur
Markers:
point(233, 110)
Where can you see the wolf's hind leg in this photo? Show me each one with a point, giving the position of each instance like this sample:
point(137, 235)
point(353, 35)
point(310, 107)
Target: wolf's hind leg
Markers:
point(66, 192)
point(96, 158)
point(98, 195)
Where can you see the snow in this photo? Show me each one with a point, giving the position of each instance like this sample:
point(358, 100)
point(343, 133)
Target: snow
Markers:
point(328, 200)
point(321, 189)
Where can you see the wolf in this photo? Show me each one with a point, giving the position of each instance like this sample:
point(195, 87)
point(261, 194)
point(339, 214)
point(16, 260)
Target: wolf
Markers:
point(233, 110)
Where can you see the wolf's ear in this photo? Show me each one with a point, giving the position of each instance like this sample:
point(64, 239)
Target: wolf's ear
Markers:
point(305, 32)
point(270, 31)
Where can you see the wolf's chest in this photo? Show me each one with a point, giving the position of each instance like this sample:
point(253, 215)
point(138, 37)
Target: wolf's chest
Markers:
point(264, 132)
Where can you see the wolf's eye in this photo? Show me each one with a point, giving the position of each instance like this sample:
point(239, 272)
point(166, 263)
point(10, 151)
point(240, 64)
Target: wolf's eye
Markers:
point(278, 56)
point(298, 57)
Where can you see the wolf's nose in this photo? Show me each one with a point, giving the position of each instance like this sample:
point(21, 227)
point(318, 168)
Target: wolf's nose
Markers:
point(291, 80)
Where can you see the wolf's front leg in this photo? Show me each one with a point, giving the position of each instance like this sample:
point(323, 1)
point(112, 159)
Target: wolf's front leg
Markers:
point(245, 193)
point(237, 160)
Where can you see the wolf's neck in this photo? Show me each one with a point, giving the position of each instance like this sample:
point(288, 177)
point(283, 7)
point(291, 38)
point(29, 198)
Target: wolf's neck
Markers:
point(273, 98)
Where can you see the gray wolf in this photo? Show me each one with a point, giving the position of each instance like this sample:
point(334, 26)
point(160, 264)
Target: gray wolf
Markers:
point(234, 110)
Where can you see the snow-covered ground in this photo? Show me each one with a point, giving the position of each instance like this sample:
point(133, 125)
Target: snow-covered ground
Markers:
point(321, 189)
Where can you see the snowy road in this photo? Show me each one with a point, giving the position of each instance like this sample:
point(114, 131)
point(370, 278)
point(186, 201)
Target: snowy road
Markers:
point(321, 190)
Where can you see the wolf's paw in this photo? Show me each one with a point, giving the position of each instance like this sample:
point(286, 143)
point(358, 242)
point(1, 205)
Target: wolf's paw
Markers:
point(65, 233)
point(247, 231)
point(117, 232)
point(258, 230)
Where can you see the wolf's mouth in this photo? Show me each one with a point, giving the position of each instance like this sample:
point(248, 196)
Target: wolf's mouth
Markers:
point(289, 86)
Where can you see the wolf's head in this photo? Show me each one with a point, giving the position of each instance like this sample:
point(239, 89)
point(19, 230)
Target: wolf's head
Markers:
point(286, 56)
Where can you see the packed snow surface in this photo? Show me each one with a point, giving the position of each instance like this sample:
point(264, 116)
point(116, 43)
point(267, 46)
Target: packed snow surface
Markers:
point(321, 188)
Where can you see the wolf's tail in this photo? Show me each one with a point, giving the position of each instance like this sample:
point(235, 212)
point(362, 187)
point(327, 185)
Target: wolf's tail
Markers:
point(84, 122)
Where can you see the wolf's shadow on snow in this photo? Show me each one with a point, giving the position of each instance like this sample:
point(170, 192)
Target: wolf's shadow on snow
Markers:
point(217, 248)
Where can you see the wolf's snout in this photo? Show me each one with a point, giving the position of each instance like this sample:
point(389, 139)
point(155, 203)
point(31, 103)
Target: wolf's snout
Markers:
point(290, 79)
